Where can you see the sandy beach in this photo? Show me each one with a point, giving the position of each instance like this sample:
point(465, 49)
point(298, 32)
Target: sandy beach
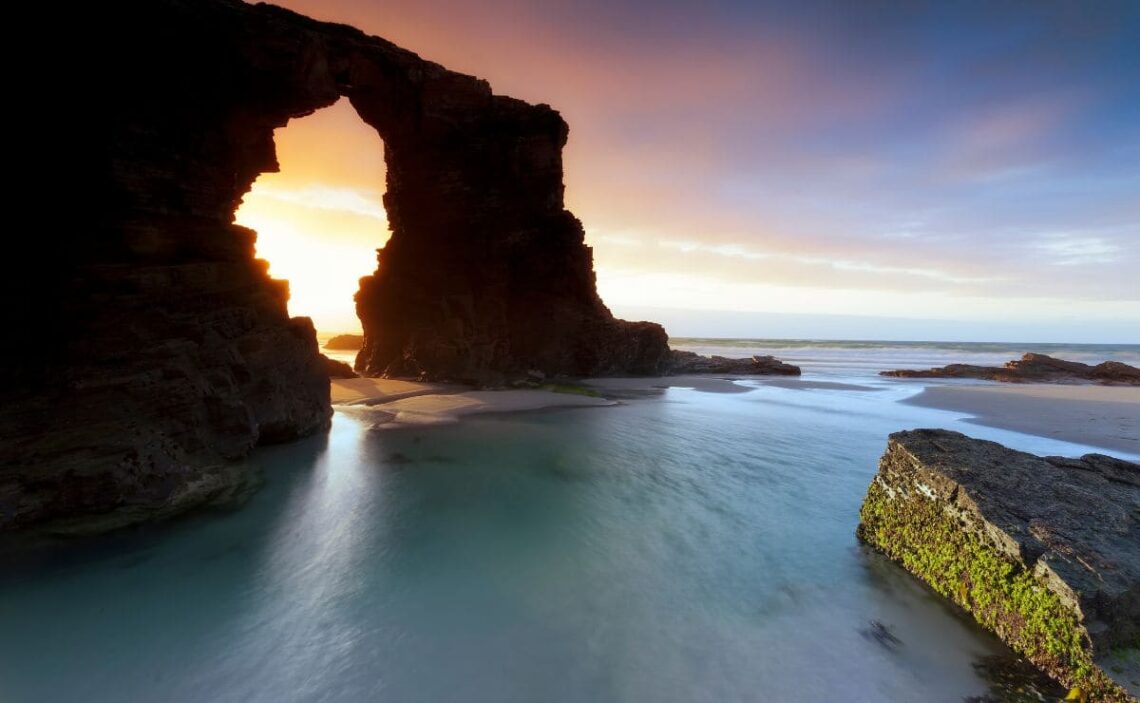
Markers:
point(1103, 416)
point(373, 391)
point(394, 403)
point(417, 403)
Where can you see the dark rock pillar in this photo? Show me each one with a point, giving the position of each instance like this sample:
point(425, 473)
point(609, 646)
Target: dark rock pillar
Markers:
point(486, 274)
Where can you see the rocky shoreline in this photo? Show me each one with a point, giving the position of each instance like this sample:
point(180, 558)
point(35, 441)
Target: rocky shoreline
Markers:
point(1044, 552)
point(1033, 368)
point(687, 362)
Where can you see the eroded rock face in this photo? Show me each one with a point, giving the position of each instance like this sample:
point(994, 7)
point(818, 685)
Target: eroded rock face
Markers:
point(1033, 368)
point(1045, 552)
point(486, 274)
point(164, 349)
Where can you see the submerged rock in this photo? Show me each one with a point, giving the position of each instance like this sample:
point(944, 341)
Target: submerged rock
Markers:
point(683, 362)
point(1013, 680)
point(1045, 552)
point(880, 634)
point(1032, 368)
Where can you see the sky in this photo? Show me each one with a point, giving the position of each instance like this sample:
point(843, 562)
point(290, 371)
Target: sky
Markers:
point(876, 170)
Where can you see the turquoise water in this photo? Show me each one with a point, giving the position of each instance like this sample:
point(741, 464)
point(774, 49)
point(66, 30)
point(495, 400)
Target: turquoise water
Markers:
point(691, 546)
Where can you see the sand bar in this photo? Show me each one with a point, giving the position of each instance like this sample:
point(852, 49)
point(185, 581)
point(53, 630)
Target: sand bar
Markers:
point(400, 403)
point(1101, 416)
point(706, 383)
point(805, 385)
point(370, 391)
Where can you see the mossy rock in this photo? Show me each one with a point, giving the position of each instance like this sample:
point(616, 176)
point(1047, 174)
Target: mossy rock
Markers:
point(974, 520)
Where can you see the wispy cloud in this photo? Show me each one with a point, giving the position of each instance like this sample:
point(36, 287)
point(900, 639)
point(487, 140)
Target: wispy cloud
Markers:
point(322, 197)
point(1066, 249)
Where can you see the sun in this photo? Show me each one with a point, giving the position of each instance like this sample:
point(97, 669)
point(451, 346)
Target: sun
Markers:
point(320, 219)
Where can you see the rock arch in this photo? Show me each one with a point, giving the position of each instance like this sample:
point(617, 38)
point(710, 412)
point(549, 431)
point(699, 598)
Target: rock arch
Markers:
point(172, 350)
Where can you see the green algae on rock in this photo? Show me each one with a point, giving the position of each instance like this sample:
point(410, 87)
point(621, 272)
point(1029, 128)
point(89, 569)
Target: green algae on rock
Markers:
point(1044, 552)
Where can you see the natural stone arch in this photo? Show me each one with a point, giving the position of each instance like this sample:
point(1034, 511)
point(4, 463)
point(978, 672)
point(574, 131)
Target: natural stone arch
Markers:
point(172, 352)
point(486, 274)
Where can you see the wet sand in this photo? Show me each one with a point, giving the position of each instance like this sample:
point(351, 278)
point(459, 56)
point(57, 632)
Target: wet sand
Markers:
point(371, 391)
point(1102, 416)
point(394, 403)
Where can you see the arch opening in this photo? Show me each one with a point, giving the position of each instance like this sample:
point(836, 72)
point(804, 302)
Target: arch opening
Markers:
point(320, 216)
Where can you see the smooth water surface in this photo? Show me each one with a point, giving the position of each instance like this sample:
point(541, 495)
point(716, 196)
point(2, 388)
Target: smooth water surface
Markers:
point(688, 547)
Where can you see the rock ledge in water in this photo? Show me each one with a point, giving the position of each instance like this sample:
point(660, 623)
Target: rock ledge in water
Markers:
point(1044, 552)
point(685, 362)
point(1032, 368)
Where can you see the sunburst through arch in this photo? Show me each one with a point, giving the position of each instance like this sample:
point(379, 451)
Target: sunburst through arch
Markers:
point(320, 217)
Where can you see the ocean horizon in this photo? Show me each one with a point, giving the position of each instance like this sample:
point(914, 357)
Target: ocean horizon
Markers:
point(858, 356)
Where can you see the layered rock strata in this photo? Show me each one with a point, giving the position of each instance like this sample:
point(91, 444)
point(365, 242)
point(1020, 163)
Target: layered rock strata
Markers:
point(1033, 368)
point(166, 351)
point(1044, 552)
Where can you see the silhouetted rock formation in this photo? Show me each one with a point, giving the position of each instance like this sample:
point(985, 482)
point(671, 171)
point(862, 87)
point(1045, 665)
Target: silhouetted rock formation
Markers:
point(486, 274)
point(345, 342)
point(337, 369)
point(683, 362)
point(1032, 368)
point(167, 351)
point(1045, 552)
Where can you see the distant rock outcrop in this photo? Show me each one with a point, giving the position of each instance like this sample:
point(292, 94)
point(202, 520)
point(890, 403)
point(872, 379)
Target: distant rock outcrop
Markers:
point(1045, 552)
point(1032, 368)
point(345, 342)
point(683, 362)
